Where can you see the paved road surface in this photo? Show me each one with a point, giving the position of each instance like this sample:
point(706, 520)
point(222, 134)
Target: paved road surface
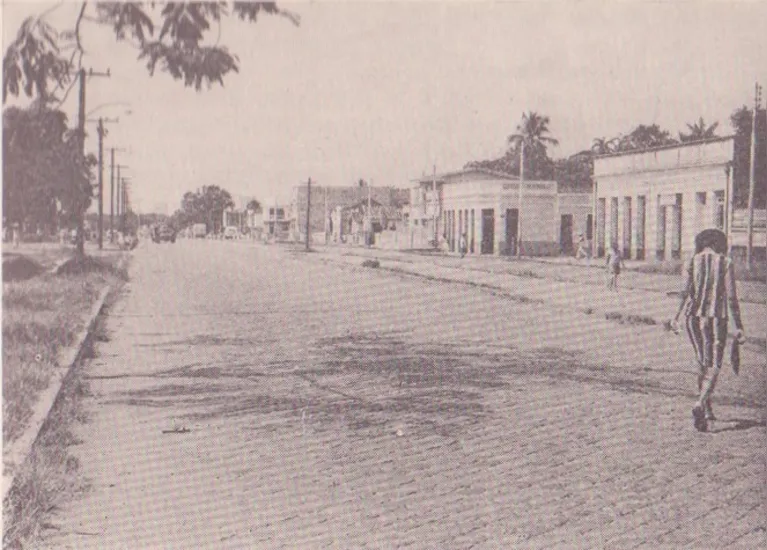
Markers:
point(332, 406)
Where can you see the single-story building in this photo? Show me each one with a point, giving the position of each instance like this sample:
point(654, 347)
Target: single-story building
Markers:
point(653, 202)
point(498, 212)
point(325, 202)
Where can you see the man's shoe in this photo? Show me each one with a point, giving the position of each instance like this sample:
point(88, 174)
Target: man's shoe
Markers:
point(699, 419)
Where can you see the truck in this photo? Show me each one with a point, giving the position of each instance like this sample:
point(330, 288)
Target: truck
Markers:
point(199, 230)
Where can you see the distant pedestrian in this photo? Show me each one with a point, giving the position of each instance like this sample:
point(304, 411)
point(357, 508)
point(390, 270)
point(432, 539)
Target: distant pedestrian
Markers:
point(581, 252)
point(16, 234)
point(462, 246)
point(708, 299)
point(614, 263)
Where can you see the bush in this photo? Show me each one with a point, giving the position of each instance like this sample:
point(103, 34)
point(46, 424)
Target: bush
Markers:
point(371, 263)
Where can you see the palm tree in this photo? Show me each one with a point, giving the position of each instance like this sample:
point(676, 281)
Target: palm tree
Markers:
point(603, 146)
point(699, 131)
point(533, 132)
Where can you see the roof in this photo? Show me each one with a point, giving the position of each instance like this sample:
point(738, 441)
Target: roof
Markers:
point(480, 170)
point(664, 147)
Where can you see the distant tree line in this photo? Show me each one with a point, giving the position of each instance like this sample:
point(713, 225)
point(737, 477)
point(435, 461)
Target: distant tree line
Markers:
point(574, 173)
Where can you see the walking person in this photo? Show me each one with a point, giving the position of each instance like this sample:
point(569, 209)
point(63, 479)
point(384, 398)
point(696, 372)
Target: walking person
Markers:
point(462, 247)
point(708, 300)
point(16, 234)
point(614, 263)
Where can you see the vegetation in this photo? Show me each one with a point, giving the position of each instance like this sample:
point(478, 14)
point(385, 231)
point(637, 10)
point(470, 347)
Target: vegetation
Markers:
point(205, 205)
point(170, 36)
point(46, 180)
point(45, 168)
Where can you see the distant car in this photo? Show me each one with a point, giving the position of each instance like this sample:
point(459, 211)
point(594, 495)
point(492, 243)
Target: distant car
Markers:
point(231, 232)
point(163, 233)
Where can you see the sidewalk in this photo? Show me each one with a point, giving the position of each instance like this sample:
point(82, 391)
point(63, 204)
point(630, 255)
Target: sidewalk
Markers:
point(647, 298)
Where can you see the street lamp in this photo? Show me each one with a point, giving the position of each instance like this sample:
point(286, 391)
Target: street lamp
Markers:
point(128, 111)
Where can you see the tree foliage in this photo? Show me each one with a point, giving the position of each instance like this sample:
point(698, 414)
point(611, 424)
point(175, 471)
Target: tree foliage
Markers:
point(179, 38)
point(742, 122)
point(533, 131)
point(253, 205)
point(44, 172)
point(206, 206)
point(699, 131)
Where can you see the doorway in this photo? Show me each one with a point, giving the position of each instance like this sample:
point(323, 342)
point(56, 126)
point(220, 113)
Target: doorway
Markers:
point(488, 230)
point(566, 234)
point(512, 230)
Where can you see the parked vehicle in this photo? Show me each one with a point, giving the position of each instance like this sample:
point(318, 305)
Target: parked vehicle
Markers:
point(231, 232)
point(163, 233)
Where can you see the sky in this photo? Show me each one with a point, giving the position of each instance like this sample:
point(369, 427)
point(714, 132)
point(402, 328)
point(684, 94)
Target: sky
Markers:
point(386, 90)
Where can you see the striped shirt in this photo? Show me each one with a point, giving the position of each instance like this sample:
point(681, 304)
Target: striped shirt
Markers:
point(710, 287)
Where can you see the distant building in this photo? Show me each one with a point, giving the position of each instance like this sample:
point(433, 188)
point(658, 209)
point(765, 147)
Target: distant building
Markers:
point(276, 220)
point(325, 202)
point(653, 202)
point(488, 207)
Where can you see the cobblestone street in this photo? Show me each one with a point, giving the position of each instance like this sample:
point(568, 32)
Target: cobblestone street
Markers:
point(254, 397)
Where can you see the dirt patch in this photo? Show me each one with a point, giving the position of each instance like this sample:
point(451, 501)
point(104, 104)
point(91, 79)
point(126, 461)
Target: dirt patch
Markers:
point(20, 268)
point(87, 264)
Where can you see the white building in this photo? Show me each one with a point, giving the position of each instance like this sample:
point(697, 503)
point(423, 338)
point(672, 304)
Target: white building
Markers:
point(653, 202)
point(492, 210)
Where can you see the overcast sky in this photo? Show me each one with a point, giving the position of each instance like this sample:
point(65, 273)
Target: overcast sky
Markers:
point(384, 90)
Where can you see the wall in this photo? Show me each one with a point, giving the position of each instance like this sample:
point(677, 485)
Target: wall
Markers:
point(334, 197)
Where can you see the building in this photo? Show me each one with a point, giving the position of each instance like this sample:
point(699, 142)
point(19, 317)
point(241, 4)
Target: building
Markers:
point(276, 221)
point(498, 213)
point(325, 202)
point(653, 202)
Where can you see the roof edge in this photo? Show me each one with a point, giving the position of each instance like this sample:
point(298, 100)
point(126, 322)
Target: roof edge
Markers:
point(665, 147)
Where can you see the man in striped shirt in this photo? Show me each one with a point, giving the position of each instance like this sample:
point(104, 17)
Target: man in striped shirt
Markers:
point(708, 300)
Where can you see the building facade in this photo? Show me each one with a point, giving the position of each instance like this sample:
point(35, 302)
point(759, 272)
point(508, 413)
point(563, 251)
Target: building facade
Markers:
point(652, 203)
point(499, 214)
point(325, 201)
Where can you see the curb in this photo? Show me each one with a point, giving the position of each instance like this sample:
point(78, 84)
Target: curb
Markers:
point(68, 359)
point(752, 343)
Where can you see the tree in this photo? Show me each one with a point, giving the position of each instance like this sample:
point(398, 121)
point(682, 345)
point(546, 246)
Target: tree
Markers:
point(573, 174)
point(645, 137)
point(44, 173)
point(171, 36)
point(604, 146)
point(699, 131)
point(253, 205)
point(204, 206)
point(533, 131)
point(742, 122)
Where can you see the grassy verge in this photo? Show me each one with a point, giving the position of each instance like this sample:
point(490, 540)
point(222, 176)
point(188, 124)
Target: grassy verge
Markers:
point(50, 476)
point(41, 316)
point(47, 255)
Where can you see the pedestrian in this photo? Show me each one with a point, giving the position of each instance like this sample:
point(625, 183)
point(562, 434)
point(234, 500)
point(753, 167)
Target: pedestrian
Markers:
point(16, 234)
point(614, 264)
point(462, 247)
point(708, 300)
point(581, 252)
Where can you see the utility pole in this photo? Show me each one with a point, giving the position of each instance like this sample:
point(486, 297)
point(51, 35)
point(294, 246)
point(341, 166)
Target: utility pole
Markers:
point(752, 178)
point(369, 236)
point(79, 201)
point(521, 183)
point(308, 209)
point(117, 196)
point(112, 196)
point(101, 183)
point(434, 201)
